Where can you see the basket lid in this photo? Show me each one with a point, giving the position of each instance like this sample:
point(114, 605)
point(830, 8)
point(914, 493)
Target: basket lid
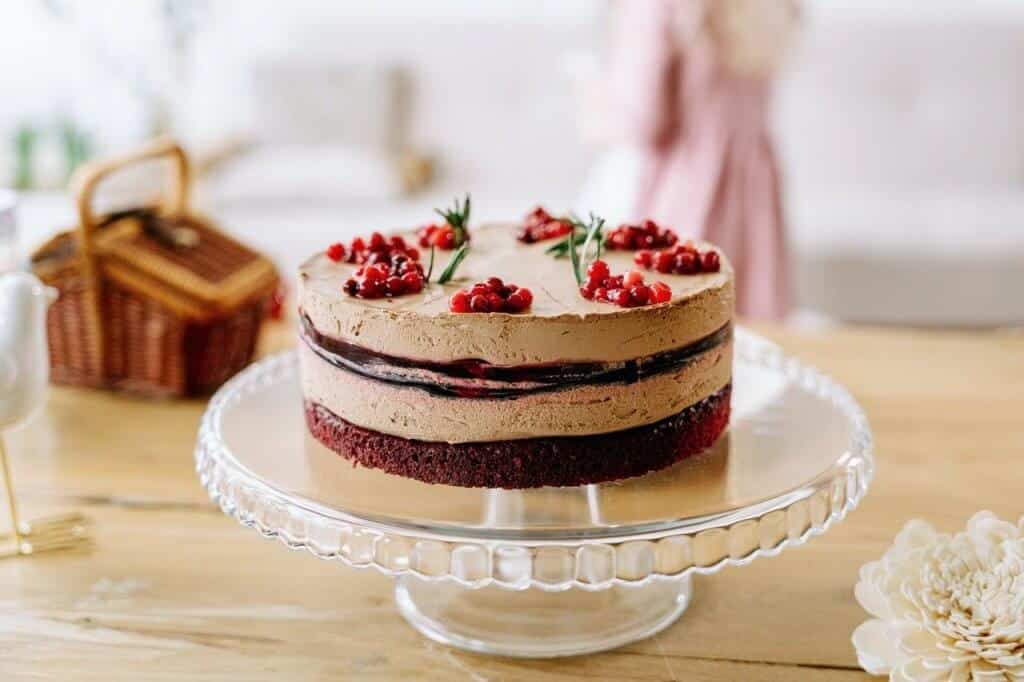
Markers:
point(182, 260)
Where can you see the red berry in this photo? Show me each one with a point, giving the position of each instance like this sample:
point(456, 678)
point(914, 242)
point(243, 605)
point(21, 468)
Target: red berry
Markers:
point(495, 284)
point(664, 262)
point(371, 288)
point(644, 258)
point(495, 302)
point(597, 271)
point(413, 282)
point(336, 251)
point(351, 287)
point(395, 285)
point(633, 278)
point(479, 304)
point(376, 241)
point(686, 263)
point(378, 271)
point(620, 297)
point(459, 302)
point(660, 292)
point(710, 262)
point(558, 228)
point(412, 253)
point(358, 244)
point(527, 296)
point(586, 293)
point(397, 242)
point(601, 294)
point(647, 236)
point(640, 294)
point(515, 302)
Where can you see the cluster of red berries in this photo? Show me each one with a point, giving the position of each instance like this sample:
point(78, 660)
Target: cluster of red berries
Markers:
point(541, 225)
point(440, 236)
point(372, 250)
point(626, 291)
point(492, 296)
point(389, 267)
point(684, 259)
point(647, 236)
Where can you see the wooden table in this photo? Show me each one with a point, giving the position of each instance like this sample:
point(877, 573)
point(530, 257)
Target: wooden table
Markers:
point(174, 590)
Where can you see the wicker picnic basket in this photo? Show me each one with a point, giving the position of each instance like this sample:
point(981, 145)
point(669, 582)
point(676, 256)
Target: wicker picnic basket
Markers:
point(154, 300)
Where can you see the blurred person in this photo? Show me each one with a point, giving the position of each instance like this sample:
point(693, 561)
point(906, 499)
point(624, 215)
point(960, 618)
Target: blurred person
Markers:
point(690, 86)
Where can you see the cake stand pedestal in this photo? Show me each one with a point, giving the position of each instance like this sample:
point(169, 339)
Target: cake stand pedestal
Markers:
point(550, 571)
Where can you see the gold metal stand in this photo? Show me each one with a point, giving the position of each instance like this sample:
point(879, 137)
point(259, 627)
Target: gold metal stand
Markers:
point(64, 531)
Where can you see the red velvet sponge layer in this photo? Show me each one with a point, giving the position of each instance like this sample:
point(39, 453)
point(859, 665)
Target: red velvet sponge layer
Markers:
point(531, 462)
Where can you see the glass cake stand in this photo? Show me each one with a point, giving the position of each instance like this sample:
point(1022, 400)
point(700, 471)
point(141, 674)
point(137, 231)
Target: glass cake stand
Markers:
point(550, 571)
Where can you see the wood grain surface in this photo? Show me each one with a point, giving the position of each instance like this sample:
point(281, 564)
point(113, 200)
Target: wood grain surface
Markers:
point(174, 590)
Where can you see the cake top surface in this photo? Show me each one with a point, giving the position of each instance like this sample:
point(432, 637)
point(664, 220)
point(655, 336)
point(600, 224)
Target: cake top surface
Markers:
point(495, 252)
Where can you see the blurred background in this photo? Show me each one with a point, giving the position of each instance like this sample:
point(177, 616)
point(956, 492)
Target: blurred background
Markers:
point(898, 127)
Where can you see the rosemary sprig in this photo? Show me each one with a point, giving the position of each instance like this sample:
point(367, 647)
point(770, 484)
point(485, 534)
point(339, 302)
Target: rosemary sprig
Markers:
point(458, 218)
point(453, 264)
point(560, 249)
point(593, 234)
point(430, 267)
point(574, 258)
point(594, 229)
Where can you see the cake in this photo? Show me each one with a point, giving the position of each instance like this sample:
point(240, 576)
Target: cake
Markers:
point(525, 369)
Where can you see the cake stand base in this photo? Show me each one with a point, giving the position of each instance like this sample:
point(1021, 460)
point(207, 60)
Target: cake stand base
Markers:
point(535, 623)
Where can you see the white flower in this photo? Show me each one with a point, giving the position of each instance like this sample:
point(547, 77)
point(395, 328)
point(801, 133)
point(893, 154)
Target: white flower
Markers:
point(946, 607)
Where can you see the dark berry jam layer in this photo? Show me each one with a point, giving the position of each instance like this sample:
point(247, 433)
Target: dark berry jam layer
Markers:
point(478, 379)
point(532, 462)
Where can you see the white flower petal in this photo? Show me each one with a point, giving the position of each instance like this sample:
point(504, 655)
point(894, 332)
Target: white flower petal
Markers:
point(872, 599)
point(917, 642)
point(982, 671)
point(913, 670)
point(876, 647)
point(987, 525)
point(916, 533)
point(897, 675)
point(960, 673)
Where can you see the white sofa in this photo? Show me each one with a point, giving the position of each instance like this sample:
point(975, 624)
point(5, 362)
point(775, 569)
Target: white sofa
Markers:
point(903, 140)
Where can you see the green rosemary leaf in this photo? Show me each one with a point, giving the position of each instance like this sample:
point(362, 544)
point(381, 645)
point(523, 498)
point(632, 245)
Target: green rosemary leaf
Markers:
point(574, 258)
point(593, 230)
point(458, 218)
point(453, 264)
point(559, 249)
point(430, 267)
point(460, 231)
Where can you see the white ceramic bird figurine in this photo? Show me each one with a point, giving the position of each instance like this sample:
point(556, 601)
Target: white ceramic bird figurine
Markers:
point(24, 375)
point(24, 358)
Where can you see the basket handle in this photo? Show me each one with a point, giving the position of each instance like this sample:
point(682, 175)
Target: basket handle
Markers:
point(89, 176)
point(83, 186)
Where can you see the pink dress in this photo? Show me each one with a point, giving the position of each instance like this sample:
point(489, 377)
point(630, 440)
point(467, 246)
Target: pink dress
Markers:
point(709, 169)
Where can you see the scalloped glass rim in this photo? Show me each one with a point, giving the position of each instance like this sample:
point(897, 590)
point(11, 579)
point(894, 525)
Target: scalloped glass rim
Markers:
point(548, 558)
